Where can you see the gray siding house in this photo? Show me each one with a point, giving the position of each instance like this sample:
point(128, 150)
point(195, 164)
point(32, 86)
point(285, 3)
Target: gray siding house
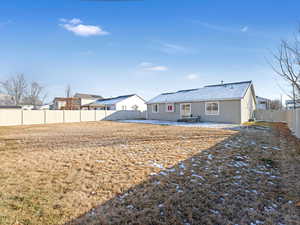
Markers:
point(226, 103)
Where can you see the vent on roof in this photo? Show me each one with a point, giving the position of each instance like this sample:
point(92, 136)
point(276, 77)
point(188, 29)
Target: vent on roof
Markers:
point(187, 90)
point(167, 93)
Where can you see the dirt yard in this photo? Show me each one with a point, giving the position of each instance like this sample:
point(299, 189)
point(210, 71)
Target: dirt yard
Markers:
point(118, 173)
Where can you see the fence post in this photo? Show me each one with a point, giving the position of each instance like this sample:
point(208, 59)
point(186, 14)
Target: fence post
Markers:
point(22, 117)
point(297, 121)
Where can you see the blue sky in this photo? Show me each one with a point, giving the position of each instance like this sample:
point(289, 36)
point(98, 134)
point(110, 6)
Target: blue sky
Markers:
point(144, 47)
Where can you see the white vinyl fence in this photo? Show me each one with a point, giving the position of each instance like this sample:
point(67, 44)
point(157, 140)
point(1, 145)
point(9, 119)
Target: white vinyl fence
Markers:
point(9, 117)
point(291, 117)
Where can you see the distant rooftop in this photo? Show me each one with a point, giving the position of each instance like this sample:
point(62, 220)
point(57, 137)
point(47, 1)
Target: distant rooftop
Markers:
point(262, 99)
point(110, 101)
point(224, 91)
point(292, 101)
point(87, 96)
point(10, 107)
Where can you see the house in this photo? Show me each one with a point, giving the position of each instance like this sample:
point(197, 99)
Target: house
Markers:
point(124, 102)
point(87, 98)
point(262, 103)
point(44, 107)
point(228, 103)
point(291, 104)
point(66, 103)
point(10, 107)
point(28, 107)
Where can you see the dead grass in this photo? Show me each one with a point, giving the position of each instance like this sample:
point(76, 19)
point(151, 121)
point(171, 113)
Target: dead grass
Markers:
point(117, 173)
point(51, 174)
point(250, 178)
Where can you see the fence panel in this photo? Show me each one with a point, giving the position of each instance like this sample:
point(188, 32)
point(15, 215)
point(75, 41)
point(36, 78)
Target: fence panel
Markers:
point(10, 117)
point(54, 116)
point(33, 117)
point(72, 116)
point(87, 115)
point(126, 115)
point(270, 115)
point(290, 119)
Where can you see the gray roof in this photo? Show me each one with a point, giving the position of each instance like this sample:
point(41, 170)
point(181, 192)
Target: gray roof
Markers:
point(262, 99)
point(110, 101)
point(87, 96)
point(292, 101)
point(10, 107)
point(228, 91)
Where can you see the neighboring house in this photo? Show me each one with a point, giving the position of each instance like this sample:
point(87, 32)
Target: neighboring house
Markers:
point(262, 103)
point(87, 98)
point(6, 99)
point(44, 107)
point(28, 107)
point(66, 103)
point(229, 103)
point(10, 107)
point(125, 102)
point(291, 104)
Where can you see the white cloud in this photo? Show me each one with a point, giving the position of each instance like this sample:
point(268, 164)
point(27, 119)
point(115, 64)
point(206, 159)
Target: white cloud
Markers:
point(192, 76)
point(63, 20)
point(85, 30)
point(75, 21)
point(173, 49)
point(213, 26)
point(147, 66)
point(75, 25)
point(244, 29)
point(157, 68)
point(220, 28)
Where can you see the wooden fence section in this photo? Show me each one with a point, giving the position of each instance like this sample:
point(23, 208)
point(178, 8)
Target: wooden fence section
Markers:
point(291, 117)
point(27, 117)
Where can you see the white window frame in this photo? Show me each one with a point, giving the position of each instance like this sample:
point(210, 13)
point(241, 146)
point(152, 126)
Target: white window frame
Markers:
point(185, 104)
point(170, 104)
point(153, 111)
point(212, 113)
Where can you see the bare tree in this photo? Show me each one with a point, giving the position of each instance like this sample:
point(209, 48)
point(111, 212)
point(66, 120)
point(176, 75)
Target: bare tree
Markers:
point(287, 64)
point(35, 95)
point(68, 91)
point(16, 87)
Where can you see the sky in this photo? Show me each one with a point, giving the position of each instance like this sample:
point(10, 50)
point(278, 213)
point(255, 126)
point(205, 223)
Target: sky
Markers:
point(146, 47)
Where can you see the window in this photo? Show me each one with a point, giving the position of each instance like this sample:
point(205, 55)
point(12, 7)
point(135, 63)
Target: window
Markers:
point(212, 108)
point(123, 107)
point(170, 108)
point(155, 108)
point(185, 110)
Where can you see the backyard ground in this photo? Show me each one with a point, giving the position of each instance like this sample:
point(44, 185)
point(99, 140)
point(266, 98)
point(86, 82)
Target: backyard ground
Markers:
point(126, 173)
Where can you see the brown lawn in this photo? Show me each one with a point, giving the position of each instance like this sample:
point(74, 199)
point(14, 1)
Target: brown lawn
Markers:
point(117, 173)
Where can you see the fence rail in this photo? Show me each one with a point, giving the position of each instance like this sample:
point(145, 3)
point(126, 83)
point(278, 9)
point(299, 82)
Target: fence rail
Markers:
point(27, 117)
point(291, 117)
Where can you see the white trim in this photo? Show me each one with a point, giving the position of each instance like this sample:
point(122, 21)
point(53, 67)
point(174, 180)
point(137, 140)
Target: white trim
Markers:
point(212, 113)
point(170, 104)
point(185, 104)
point(153, 108)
